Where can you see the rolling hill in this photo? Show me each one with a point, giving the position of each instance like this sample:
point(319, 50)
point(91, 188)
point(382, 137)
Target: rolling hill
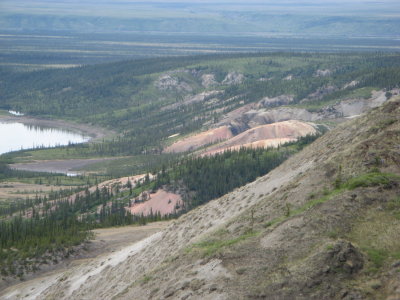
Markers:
point(322, 225)
point(162, 116)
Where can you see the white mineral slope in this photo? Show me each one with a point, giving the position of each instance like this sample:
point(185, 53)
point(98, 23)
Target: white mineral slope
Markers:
point(76, 276)
point(110, 276)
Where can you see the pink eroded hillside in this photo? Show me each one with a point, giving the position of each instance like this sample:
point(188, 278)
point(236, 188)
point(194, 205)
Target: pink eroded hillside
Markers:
point(271, 135)
point(204, 138)
point(270, 143)
point(162, 201)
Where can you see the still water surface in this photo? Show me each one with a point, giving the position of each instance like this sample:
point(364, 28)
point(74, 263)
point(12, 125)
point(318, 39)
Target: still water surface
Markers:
point(17, 136)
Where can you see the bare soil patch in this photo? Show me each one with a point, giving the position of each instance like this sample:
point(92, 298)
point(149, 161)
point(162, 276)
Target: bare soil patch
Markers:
point(111, 239)
point(162, 202)
point(58, 166)
point(19, 190)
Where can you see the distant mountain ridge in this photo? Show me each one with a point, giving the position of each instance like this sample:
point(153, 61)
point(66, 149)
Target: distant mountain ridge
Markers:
point(334, 18)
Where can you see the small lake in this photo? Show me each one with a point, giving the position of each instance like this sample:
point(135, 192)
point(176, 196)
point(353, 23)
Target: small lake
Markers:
point(17, 136)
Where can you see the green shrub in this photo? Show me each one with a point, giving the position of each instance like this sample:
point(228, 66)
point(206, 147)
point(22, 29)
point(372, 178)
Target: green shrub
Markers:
point(371, 179)
point(376, 256)
point(211, 247)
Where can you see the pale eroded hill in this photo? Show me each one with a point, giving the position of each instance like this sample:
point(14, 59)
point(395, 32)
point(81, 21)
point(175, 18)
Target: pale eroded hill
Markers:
point(265, 136)
point(199, 140)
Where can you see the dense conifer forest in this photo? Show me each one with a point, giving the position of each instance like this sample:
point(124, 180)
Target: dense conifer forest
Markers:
point(126, 97)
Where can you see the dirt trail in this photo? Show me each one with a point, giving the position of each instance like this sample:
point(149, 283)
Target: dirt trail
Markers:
point(109, 246)
point(66, 166)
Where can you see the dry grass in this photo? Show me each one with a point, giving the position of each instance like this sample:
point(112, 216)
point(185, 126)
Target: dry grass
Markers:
point(18, 190)
point(378, 235)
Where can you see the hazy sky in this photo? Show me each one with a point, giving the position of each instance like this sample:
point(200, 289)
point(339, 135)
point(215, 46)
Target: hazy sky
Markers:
point(69, 5)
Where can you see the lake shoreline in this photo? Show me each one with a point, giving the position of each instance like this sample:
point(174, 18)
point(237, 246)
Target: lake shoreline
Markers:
point(95, 133)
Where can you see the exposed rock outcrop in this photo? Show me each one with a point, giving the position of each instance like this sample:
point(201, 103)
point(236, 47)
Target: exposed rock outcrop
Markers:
point(201, 97)
point(251, 115)
point(191, 99)
point(233, 78)
point(320, 93)
point(323, 73)
point(276, 101)
point(208, 80)
point(289, 77)
point(355, 107)
point(168, 82)
point(350, 84)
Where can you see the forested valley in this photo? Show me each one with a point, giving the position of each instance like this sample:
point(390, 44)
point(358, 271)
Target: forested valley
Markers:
point(148, 105)
point(146, 101)
point(53, 225)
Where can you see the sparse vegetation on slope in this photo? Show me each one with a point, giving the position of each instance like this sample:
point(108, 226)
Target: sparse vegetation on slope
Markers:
point(337, 211)
point(330, 232)
point(63, 219)
point(167, 101)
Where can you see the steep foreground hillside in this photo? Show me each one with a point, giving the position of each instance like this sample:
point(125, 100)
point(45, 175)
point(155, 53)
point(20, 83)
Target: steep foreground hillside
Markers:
point(323, 225)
